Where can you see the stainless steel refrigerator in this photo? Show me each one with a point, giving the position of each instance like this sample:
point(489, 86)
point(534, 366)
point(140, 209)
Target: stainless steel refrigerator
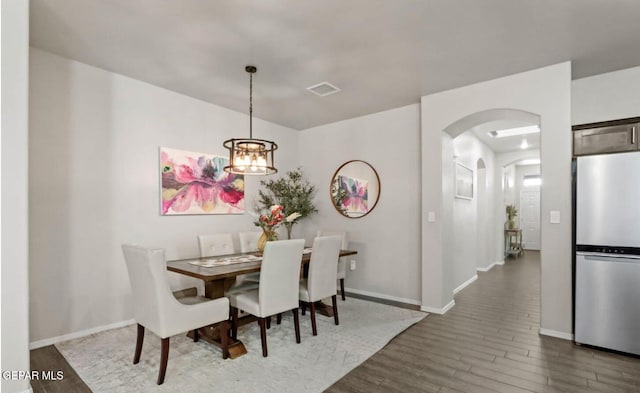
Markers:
point(607, 292)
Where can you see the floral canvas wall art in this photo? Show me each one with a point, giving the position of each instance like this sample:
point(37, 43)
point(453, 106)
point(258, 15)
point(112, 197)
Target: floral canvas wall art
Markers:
point(195, 183)
point(356, 194)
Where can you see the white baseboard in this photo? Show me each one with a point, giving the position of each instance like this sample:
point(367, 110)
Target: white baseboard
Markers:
point(556, 334)
point(383, 296)
point(486, 269)
point(439, 310)
point(464, 284)
point(82, 333)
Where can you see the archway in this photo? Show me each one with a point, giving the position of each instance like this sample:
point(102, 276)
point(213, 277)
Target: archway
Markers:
point(473, 235)
point(545, 93)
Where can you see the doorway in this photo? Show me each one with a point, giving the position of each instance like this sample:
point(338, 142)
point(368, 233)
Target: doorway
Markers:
point(530, 219)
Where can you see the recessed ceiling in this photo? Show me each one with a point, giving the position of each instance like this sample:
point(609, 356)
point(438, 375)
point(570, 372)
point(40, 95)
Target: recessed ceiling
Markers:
point(382, 53)
point(506, 144)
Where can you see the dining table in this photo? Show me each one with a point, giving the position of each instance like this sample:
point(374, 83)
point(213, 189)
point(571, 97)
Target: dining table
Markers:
point(219, 273)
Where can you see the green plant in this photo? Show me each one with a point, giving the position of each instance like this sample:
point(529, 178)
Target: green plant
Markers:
point(512, 212)
point(293, 192)
point(338, 195)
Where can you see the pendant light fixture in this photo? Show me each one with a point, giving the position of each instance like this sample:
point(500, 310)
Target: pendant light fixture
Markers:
point(250, 156)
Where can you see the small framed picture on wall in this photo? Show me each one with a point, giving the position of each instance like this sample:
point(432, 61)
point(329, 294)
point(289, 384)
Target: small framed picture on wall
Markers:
point(463, 182)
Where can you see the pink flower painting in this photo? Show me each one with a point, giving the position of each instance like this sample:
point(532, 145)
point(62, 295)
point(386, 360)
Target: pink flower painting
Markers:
point(195, 183)
point(356, 194)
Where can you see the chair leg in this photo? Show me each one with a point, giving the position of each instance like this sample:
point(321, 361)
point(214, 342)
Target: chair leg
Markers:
point(196, 335)
point(313, 318)
point(268, 322)
point(139, 341)
point(303, 306)
point(296, 324)
point(342, 289)
point(224, 338)
point(263, 335)
point(164, 358)
point(279, 319)
point(234, 323)
point(334, 301)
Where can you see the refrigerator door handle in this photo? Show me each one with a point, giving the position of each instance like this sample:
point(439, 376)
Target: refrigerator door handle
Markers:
point(621, 259)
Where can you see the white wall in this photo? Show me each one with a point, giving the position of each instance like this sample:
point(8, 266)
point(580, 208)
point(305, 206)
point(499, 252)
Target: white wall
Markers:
point(603, 97)
point(388, 238)
point(94, 184)
point(509, 177)
point(14, 206)
point(485, 219)
point(544, 92)
point(466, 236)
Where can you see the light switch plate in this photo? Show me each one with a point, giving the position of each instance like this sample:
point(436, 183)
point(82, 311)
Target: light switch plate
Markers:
point(431, 216)
point(554, 217)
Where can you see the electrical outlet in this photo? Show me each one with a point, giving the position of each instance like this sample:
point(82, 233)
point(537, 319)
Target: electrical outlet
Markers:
point(352, 266)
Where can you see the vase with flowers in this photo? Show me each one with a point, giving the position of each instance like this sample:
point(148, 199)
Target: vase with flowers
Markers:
point(270, 221)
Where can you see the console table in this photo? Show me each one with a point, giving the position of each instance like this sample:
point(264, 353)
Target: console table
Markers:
point(513, 242)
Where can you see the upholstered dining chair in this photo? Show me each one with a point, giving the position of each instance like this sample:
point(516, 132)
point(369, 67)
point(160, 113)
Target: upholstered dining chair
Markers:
point(222, 244)
point(249, 240)
point(156, 308)
point(278, 290)
point(216, 244)
point(249, 243)
point(342, 262)
point(321, 281)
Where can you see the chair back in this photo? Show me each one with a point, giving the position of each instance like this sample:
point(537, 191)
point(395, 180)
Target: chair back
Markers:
point(214, 245)
point(280, 276)
point(249, 241)
point(321, 282)
point(343, 236)
point(342, 263)
point(148, 277)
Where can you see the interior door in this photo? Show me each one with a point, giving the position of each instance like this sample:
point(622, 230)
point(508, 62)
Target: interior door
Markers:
point(530, 219)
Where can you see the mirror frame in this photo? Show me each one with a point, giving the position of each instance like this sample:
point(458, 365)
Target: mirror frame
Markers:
point(336, 174)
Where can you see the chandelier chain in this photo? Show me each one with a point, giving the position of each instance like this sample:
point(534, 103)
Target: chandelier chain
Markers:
point(250, 105)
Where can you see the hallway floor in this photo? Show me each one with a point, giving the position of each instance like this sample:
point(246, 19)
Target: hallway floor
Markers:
point(489, 342)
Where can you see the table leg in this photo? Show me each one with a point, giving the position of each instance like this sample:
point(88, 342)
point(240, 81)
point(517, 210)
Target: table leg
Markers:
point(211, 334)
point(324, 309)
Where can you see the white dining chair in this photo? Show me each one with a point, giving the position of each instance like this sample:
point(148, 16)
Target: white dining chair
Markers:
point(216, 244)
point(278, 290)
point(249, 243)
point(249, 240)
point(342, 262)
point(321, 281)
point(222, 244)
point(156, 308)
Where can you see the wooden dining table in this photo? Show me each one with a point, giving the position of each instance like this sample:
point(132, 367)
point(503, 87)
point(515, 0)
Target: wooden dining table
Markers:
point(219, 278)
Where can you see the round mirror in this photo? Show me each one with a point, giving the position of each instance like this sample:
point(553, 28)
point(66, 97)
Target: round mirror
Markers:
point(355, 188)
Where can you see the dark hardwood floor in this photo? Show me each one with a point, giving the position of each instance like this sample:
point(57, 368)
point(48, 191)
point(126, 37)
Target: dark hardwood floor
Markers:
point(49, 359)
point(488, 342)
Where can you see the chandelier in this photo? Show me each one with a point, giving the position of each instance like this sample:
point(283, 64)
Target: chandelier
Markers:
point(250, 156)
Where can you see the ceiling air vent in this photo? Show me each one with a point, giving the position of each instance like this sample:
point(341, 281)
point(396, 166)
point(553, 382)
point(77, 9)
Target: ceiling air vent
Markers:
point(323, 89)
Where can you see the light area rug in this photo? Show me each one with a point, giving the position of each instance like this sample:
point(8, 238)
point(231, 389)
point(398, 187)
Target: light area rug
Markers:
point(104, 360)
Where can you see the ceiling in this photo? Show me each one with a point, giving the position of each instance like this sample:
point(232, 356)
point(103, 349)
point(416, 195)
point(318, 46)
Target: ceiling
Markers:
point(382, 54)
point(505, 144)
